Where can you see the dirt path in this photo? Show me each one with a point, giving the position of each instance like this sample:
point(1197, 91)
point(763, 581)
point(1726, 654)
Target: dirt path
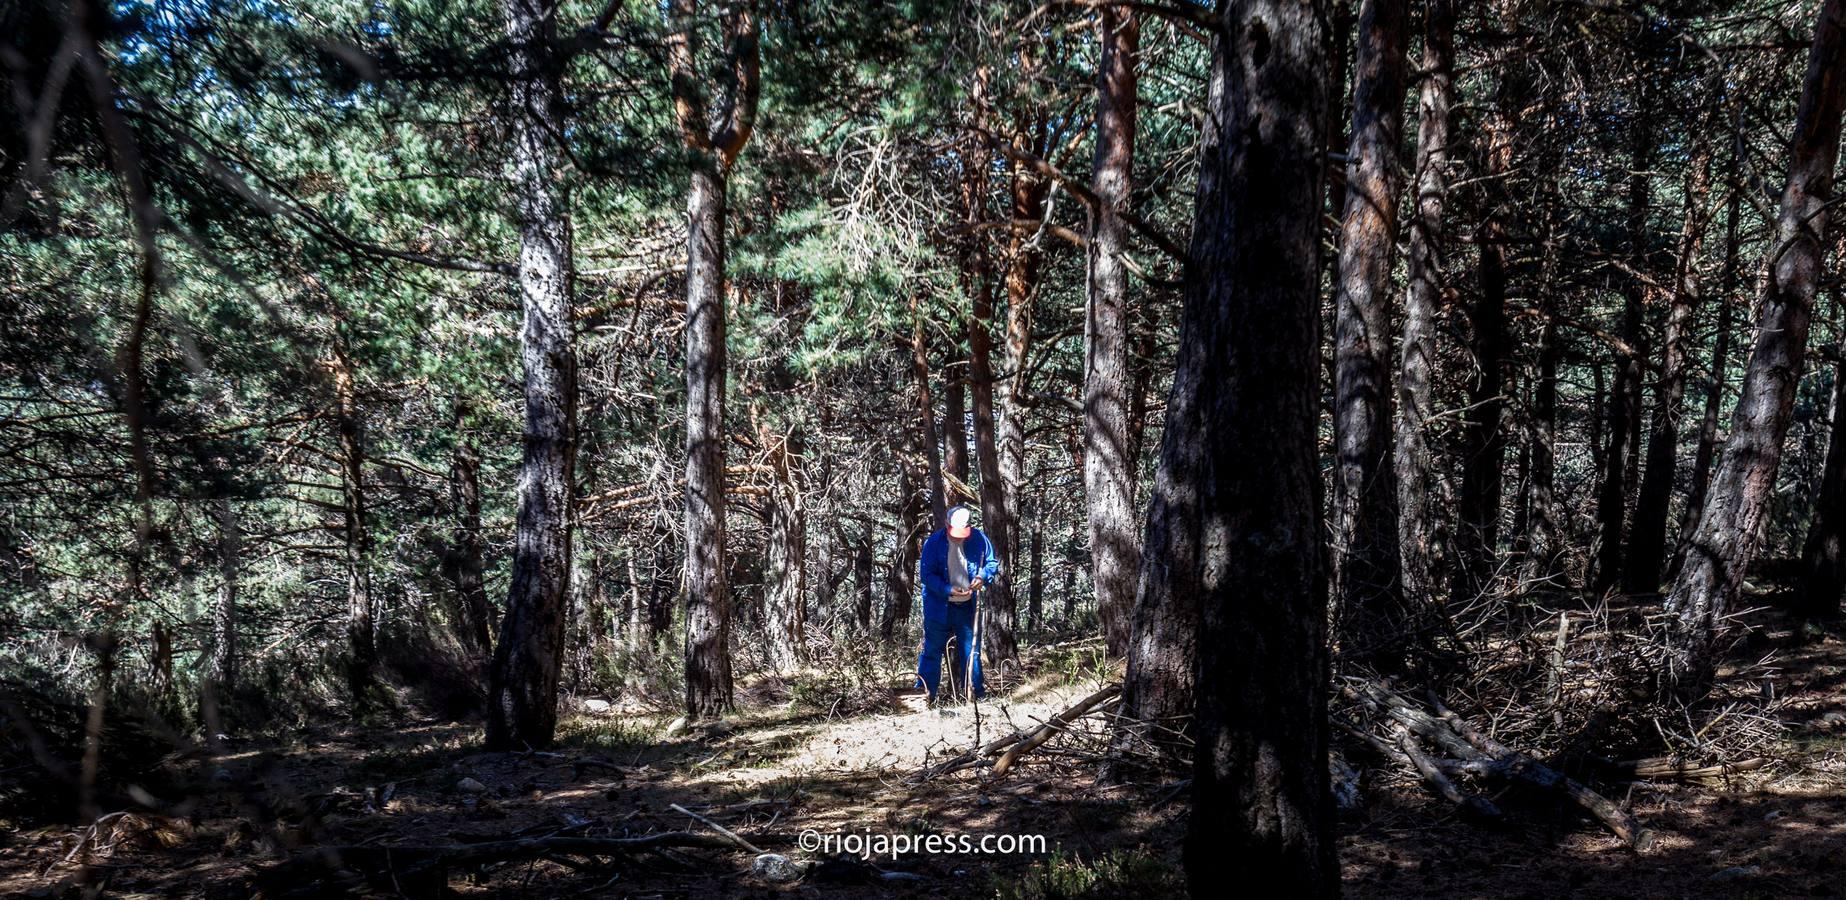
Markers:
point(778, 771)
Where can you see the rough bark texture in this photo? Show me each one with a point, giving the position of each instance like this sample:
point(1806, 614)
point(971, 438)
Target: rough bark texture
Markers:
point(1422, 300)
point(528, 658)
point(1647, 535)
point(1731, 526)
point(1108, 467)
point(999, 604)
point(1367, 589)
point(1234, 525)
point(711, 148)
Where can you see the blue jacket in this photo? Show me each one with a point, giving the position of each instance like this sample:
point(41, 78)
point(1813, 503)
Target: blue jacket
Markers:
point(933, 566)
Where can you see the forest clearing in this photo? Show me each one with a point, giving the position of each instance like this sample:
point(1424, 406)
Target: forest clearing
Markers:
point(1031, 449)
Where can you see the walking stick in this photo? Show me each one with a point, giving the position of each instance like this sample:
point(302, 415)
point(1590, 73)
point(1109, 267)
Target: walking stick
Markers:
point(974, 659)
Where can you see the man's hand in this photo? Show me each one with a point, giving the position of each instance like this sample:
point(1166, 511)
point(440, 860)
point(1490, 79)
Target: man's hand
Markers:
point(960, 592)
point(976, 585)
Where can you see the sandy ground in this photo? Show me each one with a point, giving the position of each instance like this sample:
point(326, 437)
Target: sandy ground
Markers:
point(777, 770)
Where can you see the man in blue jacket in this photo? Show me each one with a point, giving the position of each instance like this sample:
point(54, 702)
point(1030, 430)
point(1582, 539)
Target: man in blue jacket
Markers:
point(956, 563)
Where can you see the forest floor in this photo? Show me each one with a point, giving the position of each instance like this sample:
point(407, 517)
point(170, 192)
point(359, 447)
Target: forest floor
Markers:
point(780, 769)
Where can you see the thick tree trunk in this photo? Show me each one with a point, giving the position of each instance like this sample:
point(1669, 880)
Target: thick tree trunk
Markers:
point(1731, 526)
point(712, 148)
point(1108, 467)
point(468, 569)
point(708, 594)
point(528, 658)
point(1234, 525)
point(1647, 535)
point(1422, 302)
point(1540, 537)
point(1367, 589)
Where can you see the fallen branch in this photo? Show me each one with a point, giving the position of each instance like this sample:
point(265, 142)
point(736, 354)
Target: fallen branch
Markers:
point(1057, 724)
point(740, 842)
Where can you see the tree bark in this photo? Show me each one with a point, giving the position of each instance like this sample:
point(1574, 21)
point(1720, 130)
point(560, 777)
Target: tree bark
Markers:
point(1422, 301)
point(1823, 554)
point(1731, 526)
point(785, 619)
point(1624, 413)
point(223, 661)
point(361, 624)
point(1477, 532)
point(1234, 526)
point(1714, 386)
point(712, 149)
point(1108, 467)
point(1367, 588)
point(528, 658)
point(468, 569)
point(1647, 536)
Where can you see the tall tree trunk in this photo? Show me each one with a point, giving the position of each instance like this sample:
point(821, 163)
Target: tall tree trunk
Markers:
point(1823, 554)
point(1234, 526)
point(1731, 526)
point(1422, 302)
point(361, 624)
point(785, 618)
point(529, 656)
point(1000, 498)
point(708, 594)
point(468, 571)
point(1714, 385)
point(1108, 467)
point(913, 512)
point(1540, 536)
point(1647, 536)
point(1477, 531)
point(955, 421)
point(1035, 592)
point(712, 148)
point(1367, 589)
point(926, 416)
point(864, 586)
point(223, 661)
point(1624, 413)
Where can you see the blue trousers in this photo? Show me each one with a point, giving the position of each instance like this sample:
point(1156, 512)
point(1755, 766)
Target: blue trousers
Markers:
point(936, 632)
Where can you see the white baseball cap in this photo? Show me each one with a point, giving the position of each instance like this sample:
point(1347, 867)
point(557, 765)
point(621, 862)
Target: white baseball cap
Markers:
point(958, 522)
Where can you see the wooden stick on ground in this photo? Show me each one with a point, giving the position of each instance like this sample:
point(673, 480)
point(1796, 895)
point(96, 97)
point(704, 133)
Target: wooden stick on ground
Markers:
point(1609, 813)
point(1433, 777)
point(720, 829)
point(1047, 730)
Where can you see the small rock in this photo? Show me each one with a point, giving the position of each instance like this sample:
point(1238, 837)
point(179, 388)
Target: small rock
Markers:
point(1735, 872)
point(597, 706)
point(677, 727)
point(1833, 719)
point(1773, 816)
point(470, 786)
point(777, 869)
